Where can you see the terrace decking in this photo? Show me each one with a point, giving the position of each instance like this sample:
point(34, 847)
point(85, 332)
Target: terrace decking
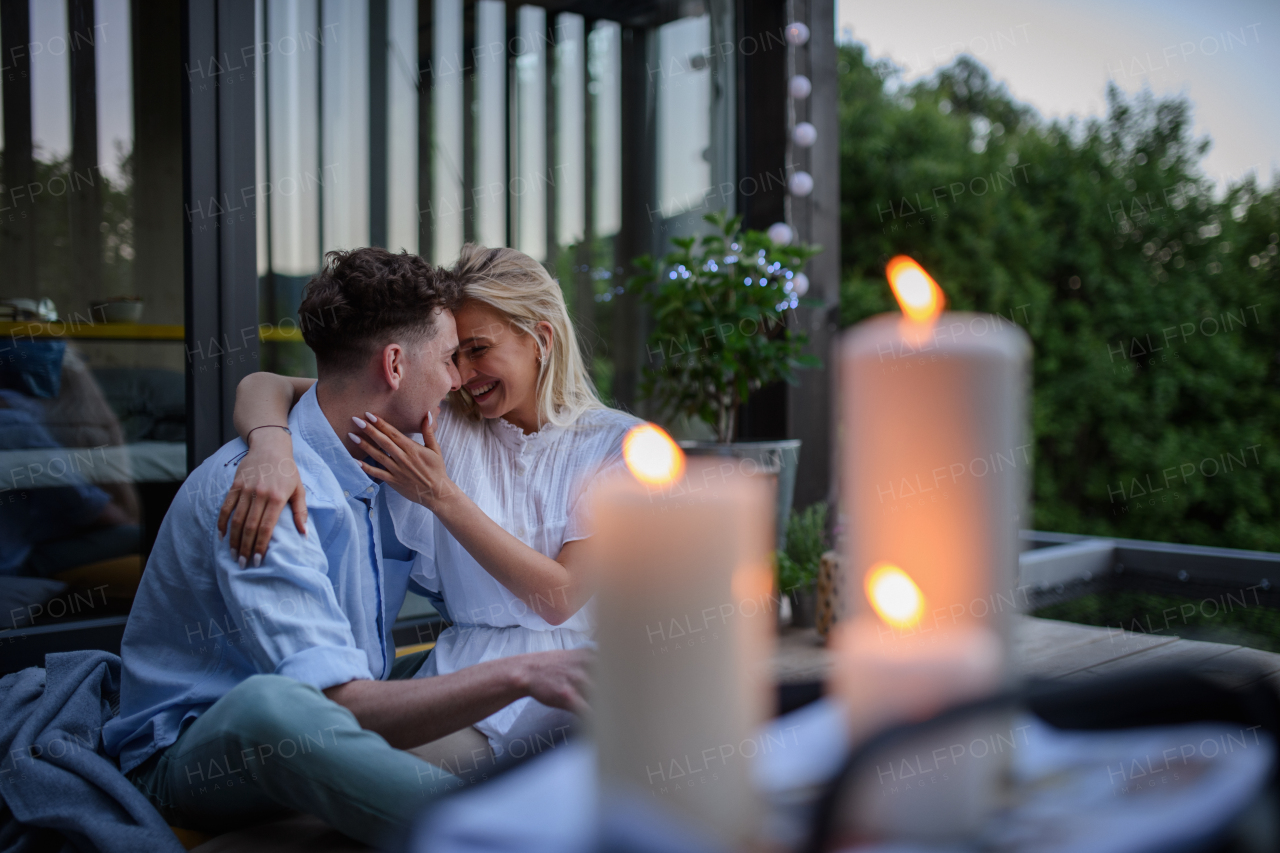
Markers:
point(1043, 648)
point(1061, 566)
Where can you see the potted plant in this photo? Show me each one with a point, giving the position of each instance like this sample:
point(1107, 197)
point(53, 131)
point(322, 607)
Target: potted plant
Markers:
point(720, 306)
point(798, 563)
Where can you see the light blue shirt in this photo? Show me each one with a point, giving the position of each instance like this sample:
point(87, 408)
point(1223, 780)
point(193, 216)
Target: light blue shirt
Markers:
point(319, 609)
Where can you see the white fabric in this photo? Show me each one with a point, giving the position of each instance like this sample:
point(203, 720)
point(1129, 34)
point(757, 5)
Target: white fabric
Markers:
point(535, 487)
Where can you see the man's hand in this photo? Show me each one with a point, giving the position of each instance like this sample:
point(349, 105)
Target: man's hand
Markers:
point(414, 711)
point(559, 679)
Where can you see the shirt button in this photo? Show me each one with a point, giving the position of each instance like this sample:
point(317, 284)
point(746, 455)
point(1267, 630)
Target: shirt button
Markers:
point(371, 513)
point(345, 493)
point(370, 489)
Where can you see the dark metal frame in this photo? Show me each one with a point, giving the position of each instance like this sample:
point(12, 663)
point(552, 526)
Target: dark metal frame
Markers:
point(219, 195)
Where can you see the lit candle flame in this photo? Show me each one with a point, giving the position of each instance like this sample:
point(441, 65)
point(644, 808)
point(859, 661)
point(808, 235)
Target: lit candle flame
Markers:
point(894, 595)
point(917, 293)
point(652, 456)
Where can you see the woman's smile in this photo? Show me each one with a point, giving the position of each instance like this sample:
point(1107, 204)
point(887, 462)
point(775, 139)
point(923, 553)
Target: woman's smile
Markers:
point(481, 391)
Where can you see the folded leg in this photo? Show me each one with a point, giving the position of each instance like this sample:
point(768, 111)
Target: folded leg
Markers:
point(272, 744)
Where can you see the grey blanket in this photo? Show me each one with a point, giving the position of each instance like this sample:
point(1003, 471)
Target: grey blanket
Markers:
point(58, 791)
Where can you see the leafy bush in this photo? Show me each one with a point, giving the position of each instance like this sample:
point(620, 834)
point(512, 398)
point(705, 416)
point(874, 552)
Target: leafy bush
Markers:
point(720, 326)
point(1151, 296)
point(806, 542)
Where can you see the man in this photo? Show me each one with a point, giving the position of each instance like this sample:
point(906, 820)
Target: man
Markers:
point(250, 689)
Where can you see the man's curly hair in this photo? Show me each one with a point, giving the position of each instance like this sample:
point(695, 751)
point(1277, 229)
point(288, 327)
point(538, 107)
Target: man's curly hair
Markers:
point(366, 298)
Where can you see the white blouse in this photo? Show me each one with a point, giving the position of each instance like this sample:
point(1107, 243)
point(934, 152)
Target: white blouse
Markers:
point(536, 487)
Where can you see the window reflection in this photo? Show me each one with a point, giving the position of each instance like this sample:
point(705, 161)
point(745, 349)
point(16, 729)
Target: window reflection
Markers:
point(50, 81)
point(114, 52)
point(92, 391)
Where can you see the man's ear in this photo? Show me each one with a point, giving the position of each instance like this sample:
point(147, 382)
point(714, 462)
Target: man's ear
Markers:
point(391, 367)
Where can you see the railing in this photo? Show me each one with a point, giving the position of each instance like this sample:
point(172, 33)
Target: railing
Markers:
point(1061, 566)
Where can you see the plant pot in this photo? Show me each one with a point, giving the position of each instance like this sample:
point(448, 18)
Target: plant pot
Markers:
point(804, 606)
point(780, 458)
point(120, 309)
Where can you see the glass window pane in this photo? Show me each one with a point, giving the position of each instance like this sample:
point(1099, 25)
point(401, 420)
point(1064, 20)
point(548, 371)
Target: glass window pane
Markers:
point(605, 66)
point(529, 133)
point(292, 154)
point(402, 125)
point(50, 81)
point(260, 156)
point(447, 196)
point(568, 174)
point(114, 55)
point(490, 109)
point(684, 115)
point(345, 116)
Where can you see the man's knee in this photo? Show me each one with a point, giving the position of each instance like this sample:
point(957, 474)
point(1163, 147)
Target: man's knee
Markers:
point(265, 710)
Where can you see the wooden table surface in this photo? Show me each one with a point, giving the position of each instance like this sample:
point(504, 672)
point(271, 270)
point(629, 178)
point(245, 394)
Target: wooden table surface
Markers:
point(1045, 648)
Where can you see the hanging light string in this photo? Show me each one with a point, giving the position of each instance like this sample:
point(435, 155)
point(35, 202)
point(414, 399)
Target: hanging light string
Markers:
point(791, 121)
point(802, 135)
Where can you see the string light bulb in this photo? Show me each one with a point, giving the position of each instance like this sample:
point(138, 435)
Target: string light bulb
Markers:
point(800, 184)
point(804, 134)
point(780, 234)
point(797, 33)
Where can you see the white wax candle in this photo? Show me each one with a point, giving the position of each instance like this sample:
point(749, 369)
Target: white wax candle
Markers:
point(934, 466)
point(684, 628)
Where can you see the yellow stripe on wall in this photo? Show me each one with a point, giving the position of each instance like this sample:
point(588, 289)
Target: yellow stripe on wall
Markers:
point(401, 651)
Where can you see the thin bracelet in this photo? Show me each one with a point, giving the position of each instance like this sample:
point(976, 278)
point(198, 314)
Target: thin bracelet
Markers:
point(264, 426)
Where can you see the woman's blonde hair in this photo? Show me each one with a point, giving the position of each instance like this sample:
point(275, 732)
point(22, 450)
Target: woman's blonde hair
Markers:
point(521, 289)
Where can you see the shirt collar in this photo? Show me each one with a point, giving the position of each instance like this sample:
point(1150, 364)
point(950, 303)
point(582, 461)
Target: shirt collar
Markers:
point(314, 428)
point(514, 439)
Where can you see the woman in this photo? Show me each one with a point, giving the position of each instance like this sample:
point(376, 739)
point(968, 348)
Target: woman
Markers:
point(504, 469)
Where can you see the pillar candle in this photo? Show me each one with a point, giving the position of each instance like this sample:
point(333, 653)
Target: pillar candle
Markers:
point(935, 457)
point(684, 629)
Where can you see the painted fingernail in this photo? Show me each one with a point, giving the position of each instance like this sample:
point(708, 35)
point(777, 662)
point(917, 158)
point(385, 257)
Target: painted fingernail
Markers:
point(257, 560)
point(359, 422)
point(431, 419)
point(371, 417)
point(353, 437)
point(242, 562)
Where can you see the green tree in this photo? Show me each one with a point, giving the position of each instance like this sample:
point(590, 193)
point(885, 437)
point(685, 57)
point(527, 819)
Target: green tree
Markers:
point(1151, 299)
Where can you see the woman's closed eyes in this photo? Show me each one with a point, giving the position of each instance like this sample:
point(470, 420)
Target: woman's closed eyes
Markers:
point(471, 354)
